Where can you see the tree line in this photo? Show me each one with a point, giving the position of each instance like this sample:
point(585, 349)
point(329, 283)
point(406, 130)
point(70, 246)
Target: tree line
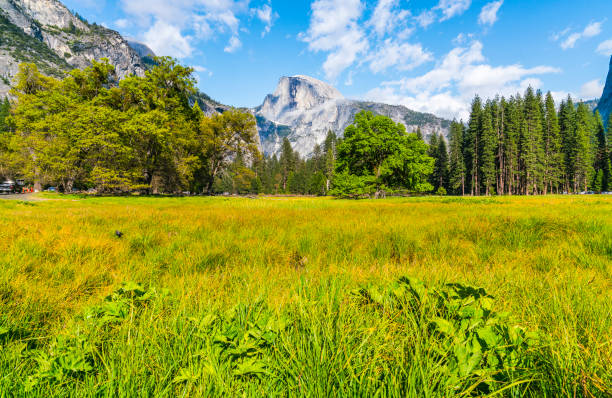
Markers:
point(141, 134)
point(524, 145)
point(148, 134)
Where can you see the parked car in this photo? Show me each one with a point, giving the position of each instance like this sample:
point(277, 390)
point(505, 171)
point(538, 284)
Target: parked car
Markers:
point(7, 187)
point(52, 189)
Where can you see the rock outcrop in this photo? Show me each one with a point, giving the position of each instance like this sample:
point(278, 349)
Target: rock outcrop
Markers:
point(605, 103)
point(304, 109)
point(46, 33)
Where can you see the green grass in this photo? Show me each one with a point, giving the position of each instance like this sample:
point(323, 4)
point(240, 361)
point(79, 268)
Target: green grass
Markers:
point(300, 297)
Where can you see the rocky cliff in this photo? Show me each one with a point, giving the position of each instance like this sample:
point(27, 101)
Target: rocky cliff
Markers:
point(46, 33)
point(605, 103)
point(304, 109)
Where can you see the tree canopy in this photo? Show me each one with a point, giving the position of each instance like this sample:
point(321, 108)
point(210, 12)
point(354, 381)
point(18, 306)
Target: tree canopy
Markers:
point(377, 155)
point(140, 134)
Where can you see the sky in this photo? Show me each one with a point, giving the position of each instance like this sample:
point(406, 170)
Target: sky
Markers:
point(431, 56)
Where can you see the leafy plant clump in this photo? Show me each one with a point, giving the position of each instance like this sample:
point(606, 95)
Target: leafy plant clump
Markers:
point(481, 351)
point(237, 342)
point(75, 354)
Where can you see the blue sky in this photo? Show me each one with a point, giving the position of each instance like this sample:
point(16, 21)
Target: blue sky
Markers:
point(428, 55)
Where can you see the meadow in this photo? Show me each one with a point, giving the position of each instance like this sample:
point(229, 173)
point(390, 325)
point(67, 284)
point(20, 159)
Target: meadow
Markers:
point(411, 297)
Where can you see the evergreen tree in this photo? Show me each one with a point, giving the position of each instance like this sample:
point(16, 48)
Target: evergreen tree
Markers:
point(488, 146)
point(601, 156)
point(456, 161)
point(567, 123)
point(512, 127)
point(531, 150)
point(287, 163)
point(553, 157)
point(441, 165)
point(472, 147)
point(582, 159)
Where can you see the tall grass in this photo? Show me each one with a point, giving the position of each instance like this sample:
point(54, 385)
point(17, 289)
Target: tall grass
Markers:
point(244, 297)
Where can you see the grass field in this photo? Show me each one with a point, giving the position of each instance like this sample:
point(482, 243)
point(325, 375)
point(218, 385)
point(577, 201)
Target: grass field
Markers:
point(306, 297)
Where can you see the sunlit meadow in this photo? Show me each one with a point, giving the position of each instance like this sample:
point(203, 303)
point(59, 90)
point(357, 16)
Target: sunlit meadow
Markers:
point(306, 297)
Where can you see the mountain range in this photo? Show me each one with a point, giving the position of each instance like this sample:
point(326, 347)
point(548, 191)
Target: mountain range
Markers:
point(604, 106)
point(302, 109)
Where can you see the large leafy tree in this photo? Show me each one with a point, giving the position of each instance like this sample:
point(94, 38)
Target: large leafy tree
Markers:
point(222, 138)
point(377, 155)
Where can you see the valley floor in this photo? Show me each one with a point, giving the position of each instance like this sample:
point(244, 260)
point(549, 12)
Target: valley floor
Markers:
point(306, 297)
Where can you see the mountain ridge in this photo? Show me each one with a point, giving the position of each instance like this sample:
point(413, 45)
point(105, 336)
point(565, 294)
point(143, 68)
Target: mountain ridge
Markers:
point(604, 106)
point(303, 109)
point(49, 35)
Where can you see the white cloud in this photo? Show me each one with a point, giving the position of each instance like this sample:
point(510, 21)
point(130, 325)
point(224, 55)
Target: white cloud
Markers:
point(267, 16)
point(605, 48)
point(186, 22)
point(446, 9)
point(233, 45)
point(405, 56)
point(591, 30)
point(591, 89)
point(488, 14)
point(426, 18)
point(334, 29)
point(385, 17)
point(167, 39)
point(448, 89)
point(452, 8)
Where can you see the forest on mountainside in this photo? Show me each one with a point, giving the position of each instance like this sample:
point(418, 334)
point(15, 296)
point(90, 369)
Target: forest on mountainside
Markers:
point(148, 135)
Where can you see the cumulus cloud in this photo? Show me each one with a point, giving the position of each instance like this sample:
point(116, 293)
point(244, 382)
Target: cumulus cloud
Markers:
point(444, 10)
point(350, 37)
point(452, 8)
point(488, 14)
point(386, 17)
point(334, 29)
point(167, 39)
point(591, 89)
point(569, 40)
point(447, 89)
point(267, 16)
point(405, 55)
point(426, 18)
point(185, 22)
point(605, 48)
point(233, 45)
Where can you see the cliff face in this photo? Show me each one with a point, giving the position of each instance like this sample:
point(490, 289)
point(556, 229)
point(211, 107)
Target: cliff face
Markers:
point(46, 33)
point(304, 109)
point(605, 103)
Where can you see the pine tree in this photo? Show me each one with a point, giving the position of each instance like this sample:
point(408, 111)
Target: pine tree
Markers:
point(456, 161)
point(582, 151)
point(472, 148)
point(601, 155)
point(488, 145)
point(287, 163)
point(512, 129)
point(567, 123)
point(553, 158)
point(500, 128)
point(531, 151)
point(441, 165)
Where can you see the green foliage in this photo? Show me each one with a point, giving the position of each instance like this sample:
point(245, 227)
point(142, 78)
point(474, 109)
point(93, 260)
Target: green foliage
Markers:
point(525, 146)
point(480, 350)
point(72, 356)
point(141, 135)
point(382, 155)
